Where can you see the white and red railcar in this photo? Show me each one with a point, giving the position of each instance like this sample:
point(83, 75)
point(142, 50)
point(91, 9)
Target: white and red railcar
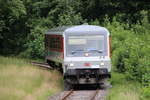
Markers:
point(82, 52)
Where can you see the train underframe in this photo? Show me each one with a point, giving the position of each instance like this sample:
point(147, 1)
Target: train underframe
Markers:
point(82, 76)
point(86, 76)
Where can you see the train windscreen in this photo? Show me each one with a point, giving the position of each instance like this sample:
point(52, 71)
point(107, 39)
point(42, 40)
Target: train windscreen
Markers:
point(78, 45)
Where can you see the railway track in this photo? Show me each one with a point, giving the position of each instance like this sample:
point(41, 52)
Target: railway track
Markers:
point(95, 94)
point(43, 65)
point(67, 95)
point(80, 95)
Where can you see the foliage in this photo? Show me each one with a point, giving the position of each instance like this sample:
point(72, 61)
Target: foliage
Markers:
point(12, 28)
point(131, 49)
point(70, 18)
point(123, 89)
point(130, 9)
point(146, 92)
point(35, 44)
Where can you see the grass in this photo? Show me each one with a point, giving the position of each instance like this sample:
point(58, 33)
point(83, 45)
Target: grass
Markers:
point(123, 89)
point(19, 80)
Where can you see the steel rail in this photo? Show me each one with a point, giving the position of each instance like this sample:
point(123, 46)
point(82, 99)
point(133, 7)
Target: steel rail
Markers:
point(94, 95)
point(45, 65)
point(67, 95)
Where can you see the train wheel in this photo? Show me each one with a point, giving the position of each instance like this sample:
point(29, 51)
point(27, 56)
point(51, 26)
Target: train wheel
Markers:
point(67, 86)
point(50, 63)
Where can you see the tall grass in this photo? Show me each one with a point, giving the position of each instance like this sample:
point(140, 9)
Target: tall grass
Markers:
point(123, 89)
point(21, 81)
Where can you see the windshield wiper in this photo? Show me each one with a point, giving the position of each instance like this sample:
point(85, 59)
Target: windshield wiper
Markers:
point(99, 51)
point(73, 52)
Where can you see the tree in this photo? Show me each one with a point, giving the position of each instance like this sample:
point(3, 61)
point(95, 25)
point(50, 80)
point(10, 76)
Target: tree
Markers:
point(12, 27)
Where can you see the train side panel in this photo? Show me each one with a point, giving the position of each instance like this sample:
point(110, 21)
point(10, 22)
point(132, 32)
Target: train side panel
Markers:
point(54, 49)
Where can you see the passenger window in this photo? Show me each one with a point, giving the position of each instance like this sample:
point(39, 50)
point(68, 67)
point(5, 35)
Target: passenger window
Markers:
point(55, 43)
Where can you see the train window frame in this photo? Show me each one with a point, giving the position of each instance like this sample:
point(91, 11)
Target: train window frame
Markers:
point(81, 53)
point(55, 43)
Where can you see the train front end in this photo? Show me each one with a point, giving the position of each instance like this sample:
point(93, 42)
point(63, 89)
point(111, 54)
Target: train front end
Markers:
point(87, 55)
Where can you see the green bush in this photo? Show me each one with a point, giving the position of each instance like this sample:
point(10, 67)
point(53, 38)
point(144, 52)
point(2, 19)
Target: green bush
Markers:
point(36, 43)
point(146, 92)
point(146, 86)
point(131, 49)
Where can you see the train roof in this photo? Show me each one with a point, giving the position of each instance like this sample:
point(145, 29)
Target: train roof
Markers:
point(78, 29)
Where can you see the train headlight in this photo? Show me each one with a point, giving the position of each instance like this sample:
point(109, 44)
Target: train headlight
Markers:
point(86, 54)
point(71, 64)
point(102, 63)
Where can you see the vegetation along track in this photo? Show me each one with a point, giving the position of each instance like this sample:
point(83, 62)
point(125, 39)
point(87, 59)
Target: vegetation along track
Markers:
point(80, 95)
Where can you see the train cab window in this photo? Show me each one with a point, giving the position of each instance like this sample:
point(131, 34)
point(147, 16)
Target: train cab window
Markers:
point(77, 45)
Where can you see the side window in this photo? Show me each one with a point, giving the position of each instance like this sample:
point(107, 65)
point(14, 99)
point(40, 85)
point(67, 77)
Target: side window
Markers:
point(51, 43)
point(46, 42)
point(58, 43)
point(55, 43)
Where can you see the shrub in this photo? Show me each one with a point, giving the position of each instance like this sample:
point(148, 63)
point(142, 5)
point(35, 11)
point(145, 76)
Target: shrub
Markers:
point(35, 44)
point(146, 92)
point(131, 49)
